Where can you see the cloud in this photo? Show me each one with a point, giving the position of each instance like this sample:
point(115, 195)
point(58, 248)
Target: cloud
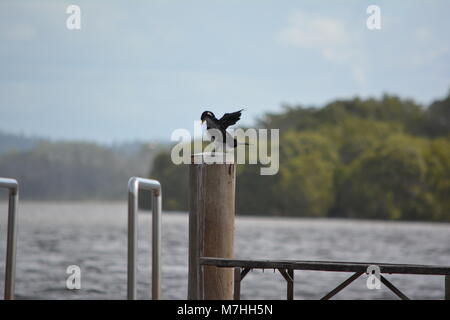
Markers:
point(330, 38)
point(359, 76)
point(424, 58)
point(422, 34)
point(18, 32)
point(426, 48)
point(327, 35)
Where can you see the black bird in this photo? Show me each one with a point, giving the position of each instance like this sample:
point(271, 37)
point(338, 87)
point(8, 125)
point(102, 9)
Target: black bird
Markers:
point(228, 119)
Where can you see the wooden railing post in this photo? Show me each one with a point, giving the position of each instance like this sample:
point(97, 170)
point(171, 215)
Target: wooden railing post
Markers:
point(447, 287)
point(211, 228)
point(290, 285)
point(237, 284)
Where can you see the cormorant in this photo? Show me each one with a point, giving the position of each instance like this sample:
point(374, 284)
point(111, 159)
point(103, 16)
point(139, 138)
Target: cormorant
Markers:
point(228, 119)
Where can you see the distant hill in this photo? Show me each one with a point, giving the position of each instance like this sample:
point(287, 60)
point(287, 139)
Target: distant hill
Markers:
point(12, 142)
point(71, 170)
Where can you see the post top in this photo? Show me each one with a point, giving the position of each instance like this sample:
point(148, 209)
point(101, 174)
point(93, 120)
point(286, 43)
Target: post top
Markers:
point(212, 158)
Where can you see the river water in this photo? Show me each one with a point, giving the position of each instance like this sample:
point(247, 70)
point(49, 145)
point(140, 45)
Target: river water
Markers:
point(92, 235)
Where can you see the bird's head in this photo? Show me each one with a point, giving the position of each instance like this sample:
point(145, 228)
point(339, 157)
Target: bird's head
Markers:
point(207, 115)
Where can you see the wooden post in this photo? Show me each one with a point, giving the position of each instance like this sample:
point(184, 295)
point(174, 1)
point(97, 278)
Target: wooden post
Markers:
point(211, 228)
point(237, 284)
point(447, 287)
point(288, 275)
point(290, 285)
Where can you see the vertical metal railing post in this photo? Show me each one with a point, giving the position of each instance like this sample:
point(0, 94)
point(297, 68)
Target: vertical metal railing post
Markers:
point(134, 185)
point(11, 238)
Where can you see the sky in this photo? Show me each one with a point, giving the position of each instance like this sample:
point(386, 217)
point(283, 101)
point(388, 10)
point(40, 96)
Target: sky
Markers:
point(141, 69)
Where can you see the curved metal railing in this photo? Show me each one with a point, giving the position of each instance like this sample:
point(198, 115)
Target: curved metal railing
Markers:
point(134, 185)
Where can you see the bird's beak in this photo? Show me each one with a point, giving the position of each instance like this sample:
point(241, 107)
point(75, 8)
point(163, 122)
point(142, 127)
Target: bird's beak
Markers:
point(203, 121)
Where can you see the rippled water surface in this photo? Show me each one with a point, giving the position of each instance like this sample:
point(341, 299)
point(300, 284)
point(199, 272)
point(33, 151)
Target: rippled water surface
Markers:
point(92, 235)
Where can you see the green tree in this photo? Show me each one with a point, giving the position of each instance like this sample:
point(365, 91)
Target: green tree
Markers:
point(437, 157)
point(386, 158)
point(389, 182)
point(308, 161)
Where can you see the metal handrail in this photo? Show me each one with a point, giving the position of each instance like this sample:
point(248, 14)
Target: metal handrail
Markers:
point(10, 269)
point(134, 185)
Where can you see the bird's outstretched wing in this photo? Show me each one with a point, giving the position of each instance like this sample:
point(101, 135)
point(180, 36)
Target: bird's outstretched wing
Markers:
point(229, 119)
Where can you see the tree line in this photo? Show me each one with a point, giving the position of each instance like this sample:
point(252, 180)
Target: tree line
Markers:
point(72, 170)
point(376, 158)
